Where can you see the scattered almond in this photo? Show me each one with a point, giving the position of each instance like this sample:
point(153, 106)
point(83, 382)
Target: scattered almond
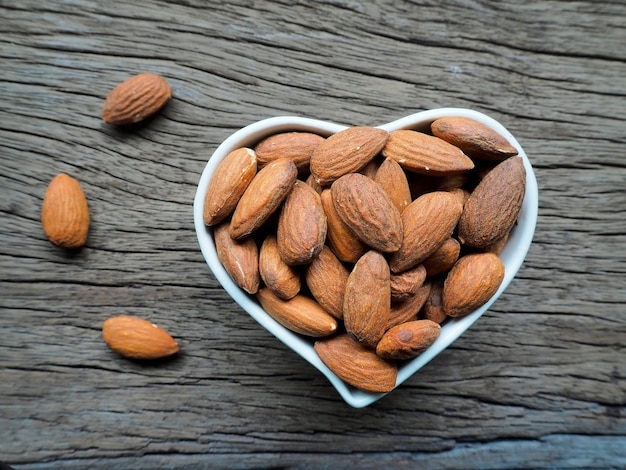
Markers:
point(136, 338)
point(136, 99)
point(65, 213)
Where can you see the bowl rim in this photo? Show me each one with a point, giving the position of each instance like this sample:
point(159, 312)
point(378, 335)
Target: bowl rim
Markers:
point(513, 254)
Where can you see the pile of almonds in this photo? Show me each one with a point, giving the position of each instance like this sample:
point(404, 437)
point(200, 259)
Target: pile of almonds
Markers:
point(367, 240)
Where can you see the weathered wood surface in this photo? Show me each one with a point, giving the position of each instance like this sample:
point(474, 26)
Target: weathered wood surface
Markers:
point(538, 382)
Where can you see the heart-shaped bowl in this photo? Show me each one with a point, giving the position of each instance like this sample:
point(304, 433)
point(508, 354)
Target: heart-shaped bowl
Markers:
point(512, 255)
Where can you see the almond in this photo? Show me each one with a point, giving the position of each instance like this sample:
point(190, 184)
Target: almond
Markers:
point(136, 99)
point(497, 246)
point(368, 210)
point(372, 167)
point(296, 146)
point(433, 307)
point(357, 365)
point(391, 177)
point(461, 194)
point(367, 299)
point(408, 310)
point(443, 258)
point(265, 193)
point(493, 207)
point(407, 283)
point(314, 184)
point(425, 154)
point(230, 179)
point(471, 282)
point(279, 277)
point(299, 314)
point(327, 278)
point(408, 340)
point(428, 221)
point(340, 238)
point(239, 258)
point(475, 139)
point(136, 338)
point(345, 152)
point(301, 225)
point(65, 213)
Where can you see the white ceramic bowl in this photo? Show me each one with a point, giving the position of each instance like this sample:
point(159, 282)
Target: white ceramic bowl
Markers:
point(512, 255)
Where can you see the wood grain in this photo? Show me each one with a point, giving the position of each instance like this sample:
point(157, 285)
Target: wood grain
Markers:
point(538, 382)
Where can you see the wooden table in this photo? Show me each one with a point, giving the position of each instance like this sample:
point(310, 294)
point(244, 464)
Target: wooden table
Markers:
point(538, 382)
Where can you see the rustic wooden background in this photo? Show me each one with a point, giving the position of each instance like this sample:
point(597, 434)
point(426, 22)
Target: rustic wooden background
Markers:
point(538, 382)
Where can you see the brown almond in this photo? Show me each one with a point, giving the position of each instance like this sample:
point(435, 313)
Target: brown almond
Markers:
point(265, 193)
point(408, 310)
point(278, 276)
point(136, 99)
point(228, 183)
point(497, 246)
point(65, 213)
point(493, 207)
point(368, 210)
point(433, 307)
point(428, 222)
point(340, 238)
point(345, 152)
point(392, 178)
point(301, 225)
point(299, 314)
point(425, 154)
point(461, 194)
point(408, 340)
point(443, 258)
point(327, 278)
point(239, 258)
point(314, 184)
point(475, 138)
point(296, 146)
point(407, 283)
point(367, 299)
point(357, 365)
point(371, 168)
point(471, 282)
point(136, 338)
